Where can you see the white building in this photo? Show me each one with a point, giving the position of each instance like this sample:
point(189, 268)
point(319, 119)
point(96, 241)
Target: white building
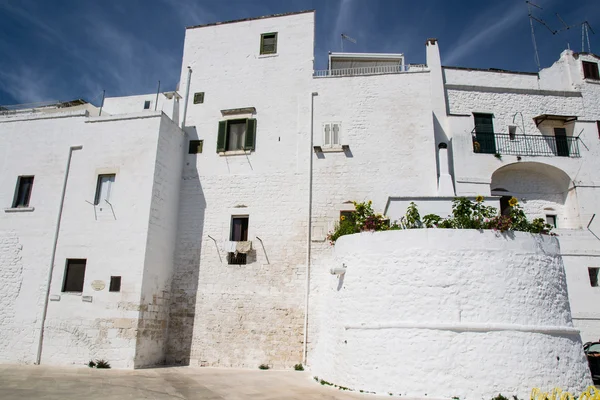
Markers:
point(270, 152)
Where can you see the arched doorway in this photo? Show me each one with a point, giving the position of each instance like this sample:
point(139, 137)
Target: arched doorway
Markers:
point(543, 191)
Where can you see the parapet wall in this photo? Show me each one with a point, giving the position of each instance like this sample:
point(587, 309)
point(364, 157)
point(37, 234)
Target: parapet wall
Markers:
point(443, 313)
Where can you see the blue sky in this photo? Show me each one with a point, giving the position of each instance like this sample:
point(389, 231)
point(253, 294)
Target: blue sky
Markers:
point(66, 49)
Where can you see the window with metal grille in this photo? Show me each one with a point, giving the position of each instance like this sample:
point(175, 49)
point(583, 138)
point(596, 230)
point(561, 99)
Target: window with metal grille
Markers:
point(195, 146)
point(23, 191)
point(590, 70)
point(74, 275)
point(115, 284)
point(594, 274)
point(268, 43)
point(104, 188)
point(198, 97)
point(239, 233)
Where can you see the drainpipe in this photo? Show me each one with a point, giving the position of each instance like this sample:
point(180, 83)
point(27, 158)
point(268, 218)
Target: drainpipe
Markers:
point(53, 256)
point(187, 96)
point(308, 233)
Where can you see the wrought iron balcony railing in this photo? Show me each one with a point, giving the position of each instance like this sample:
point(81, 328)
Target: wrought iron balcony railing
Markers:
point(525, 145)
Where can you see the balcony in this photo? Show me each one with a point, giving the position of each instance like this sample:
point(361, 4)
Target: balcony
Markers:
point(525, 145)
point(372, 70)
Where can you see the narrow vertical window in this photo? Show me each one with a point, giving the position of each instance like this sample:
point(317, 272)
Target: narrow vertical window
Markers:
point(23, 191)
point(74, 275)
point(239, 233)
point(484, 133)
point(562, 143)
point(594, 275)
point(147, 105)
point(115, 284)
point(104, 188)
point(268, 43)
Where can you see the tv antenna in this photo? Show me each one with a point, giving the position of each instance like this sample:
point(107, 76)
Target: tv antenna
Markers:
point(348, 38)
point(585, 32)
point(541, 21)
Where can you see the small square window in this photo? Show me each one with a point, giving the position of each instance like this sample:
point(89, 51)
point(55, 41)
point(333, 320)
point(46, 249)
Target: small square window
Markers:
point(199, 98)
point(23, 191)
point(104, 188)
point(346, 215)
point(195, 146)
point(268, 43)
point(147, 105)
point(74, 275)
point(115, 284)
point(594, 275)
point(551, 220)
point(590, 70)
point(239, 233)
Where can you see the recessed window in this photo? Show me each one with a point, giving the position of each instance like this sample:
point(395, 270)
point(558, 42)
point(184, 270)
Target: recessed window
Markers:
point(104, 188)
point(115, 284)
point(346, 215)
point(598, 127)
point(23, 191)
point(594, 275)
point(512, 132)
point(332, 134)
point(484, 140)
point(236, 134)
point(562, 143)
point(590, 70)
point(239, 233)
point(195, 146)
point(199, 98)
point(147, 105)
point(74, 275)
point(268, 43)
point(551, 220)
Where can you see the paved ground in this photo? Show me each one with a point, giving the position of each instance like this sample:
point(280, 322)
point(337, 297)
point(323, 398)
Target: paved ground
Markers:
point(45, 382)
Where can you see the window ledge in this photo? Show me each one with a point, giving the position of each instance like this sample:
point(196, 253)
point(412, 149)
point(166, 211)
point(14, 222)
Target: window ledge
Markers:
point(335, 149)
point(268, 55)
point(234, 152)
point(590, 80)
point(19, 209)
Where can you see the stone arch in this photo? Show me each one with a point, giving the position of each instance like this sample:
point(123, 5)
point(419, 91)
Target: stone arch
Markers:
point(542, 189)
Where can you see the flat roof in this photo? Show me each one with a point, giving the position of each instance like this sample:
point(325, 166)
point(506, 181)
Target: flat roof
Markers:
point(503, 71)
point(250, 19)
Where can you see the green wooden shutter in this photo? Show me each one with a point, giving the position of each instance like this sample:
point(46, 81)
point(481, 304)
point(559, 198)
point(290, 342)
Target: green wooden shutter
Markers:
point(222, 137)
point(250, 141)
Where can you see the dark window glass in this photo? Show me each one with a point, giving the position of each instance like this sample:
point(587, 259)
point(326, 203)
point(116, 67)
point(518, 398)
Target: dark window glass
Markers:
point(115, 284)
point(23, 192)
point(268, 43)
point(147, 105)
point(594, 272)
point(562, 144)
point(504, 206)
point(590, 70)
point(239, 233)
point(74, 275)
point(195, 146)
point(484, 134)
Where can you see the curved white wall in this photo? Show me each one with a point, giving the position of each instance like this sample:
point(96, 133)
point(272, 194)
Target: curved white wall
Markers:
point(448, 313)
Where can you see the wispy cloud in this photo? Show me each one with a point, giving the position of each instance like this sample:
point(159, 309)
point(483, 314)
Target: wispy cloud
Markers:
point(27, 85)
point(343, 22)
point(191, 12)
point(481, 33)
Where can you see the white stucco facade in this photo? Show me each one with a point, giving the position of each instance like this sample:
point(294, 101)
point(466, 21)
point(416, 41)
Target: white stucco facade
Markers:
point(321, 141)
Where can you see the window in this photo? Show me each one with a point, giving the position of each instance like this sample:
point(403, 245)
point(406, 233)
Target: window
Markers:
point(195, 146)
point(239, 233)
point(104, 188)
point(504, 206)
point(147, 105)
point(562, 143)
point(115, 284)
point(512, 132)
point(23, 191)
point(484, 133)
point(199, 98)
point(590, 70)
point(346, 214)
point(236, 134)
point(331, 134)
point(551, 220)
point(268, 43)
point(594, 274)
point(74, 275)
point(598, 126)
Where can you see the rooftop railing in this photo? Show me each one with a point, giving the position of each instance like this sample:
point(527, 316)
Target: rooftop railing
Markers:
point(378, 70)
point(525, 145)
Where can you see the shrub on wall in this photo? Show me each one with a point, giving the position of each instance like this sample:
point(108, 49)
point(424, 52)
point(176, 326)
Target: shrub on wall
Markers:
point(466, 214)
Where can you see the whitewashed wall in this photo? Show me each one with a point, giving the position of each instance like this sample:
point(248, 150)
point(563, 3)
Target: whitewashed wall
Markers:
point(135, 104)
point(112, 243)
point(443, 313)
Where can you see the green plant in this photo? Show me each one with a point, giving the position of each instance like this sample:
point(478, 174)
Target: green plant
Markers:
point(298, 367)
point(499, 397)
point(498, 156)
point(91, 364)
point(263, 366)
point(324, 382)
point(316, 378)
point(102, 364)
point(362, 219)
